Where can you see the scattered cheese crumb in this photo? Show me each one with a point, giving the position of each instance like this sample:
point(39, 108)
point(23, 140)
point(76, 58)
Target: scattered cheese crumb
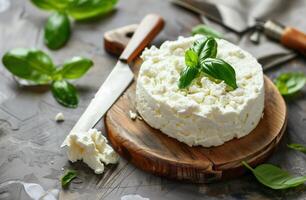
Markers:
point(133, 115)
point(59, 117)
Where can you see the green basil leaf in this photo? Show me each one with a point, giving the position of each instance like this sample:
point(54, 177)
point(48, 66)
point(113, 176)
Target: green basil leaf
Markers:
point(219, 69)
point(187, 76)
point(298, 147)
point(29, 64)
point(57, 30)
point(51, 4)
point(86, 9)
point(206, 30)
point(274, 177)
point(41, 62)
point(75, 68)
point(67, 178)
point(198, 46)
point(290, 83)
point(191, 58)
point(209, 49)
point(65, 93)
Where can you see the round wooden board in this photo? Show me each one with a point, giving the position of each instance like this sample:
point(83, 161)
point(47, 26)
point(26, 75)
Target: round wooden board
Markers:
point(154, 152)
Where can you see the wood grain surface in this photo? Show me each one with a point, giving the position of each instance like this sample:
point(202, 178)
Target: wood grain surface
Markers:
point(154, 152)
point(30, 138)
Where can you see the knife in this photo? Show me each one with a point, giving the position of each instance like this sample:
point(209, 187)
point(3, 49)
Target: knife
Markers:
point(120, 77)
point(239, 22)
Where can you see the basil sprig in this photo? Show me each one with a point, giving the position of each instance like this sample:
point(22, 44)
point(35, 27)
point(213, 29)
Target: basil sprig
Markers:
point(298, 147)
point(274, 177)
point(206, 30)
point(68, 177)
point(57, 28)
point(290, 83)
point(201, 59)
point(37, 67)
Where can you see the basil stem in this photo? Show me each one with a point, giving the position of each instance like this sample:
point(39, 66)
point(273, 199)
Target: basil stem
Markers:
point(68, 177)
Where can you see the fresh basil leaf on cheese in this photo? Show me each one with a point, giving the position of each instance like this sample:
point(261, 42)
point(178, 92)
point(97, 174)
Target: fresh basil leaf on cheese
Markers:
point(187, 76)
point(209, 49)
point(191, 58)
point(220, 70)
point(290, 83)
point(206, 30)
point(28, 64)
point(198, 46)
point(86, 9)
point(274, 177)
point(68, 177)
point(75, 68)
point(298, 147)
point(57, 30)
point(65, 93)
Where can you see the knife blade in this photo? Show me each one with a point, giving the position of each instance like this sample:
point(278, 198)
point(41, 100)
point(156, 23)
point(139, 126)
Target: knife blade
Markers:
point(120, 77)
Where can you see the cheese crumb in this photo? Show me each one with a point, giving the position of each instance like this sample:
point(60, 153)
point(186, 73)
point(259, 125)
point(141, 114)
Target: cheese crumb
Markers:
point(132, 114)
point(59, 117)
point(92, 148)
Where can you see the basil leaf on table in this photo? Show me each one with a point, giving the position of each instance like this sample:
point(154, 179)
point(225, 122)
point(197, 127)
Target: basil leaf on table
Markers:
point(209, 49)
point(274, 177)
point(206, 30)
point(68, 177)
point(298, 147)
point(86, 9)
point(57, 30)
point(75, 68)
point(191, 58)
point(220, 70)
point(65, 93)
point(187, 76)
point(41, 62)
point(51, 4)
point(28, 64)
point(290, 83)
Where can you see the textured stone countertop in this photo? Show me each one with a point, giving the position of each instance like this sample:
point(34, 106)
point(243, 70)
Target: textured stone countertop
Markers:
point(30, 138)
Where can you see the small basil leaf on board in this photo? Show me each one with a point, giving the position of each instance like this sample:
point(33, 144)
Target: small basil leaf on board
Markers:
point(187, 76)
point(65, 93)
point(274, 177)
point(219, 69)
point(209, 49)
point(50, 4)
point(206, 30)
point(86, 9)
point(67, 178)
point(298, 147)
point(17, 62)
point(191, 58)
point(41, 62)
point(57, 30)
point(75, 68)
point(290, 83)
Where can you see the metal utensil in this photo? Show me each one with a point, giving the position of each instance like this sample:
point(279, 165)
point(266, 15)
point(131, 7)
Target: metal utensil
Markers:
point(121, 76)
point(239, 22)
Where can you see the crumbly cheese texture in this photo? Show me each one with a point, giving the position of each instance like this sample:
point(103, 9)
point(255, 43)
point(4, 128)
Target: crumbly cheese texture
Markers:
point(205, 113)
point(92, 148)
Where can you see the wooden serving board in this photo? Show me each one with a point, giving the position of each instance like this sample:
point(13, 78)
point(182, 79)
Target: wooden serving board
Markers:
point(152, 151)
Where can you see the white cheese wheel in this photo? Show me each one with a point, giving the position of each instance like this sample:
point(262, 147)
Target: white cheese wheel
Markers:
point(206, 113)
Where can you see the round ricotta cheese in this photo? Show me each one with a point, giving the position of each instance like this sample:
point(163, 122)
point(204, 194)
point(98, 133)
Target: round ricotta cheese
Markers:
point(206, 113)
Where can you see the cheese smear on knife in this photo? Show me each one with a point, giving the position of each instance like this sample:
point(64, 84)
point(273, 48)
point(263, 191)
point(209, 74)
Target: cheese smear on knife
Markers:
point(92, 148)
point(205, 113)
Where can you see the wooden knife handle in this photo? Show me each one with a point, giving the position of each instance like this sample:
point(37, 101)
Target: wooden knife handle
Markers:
point(294, 39)
point(148, 28)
